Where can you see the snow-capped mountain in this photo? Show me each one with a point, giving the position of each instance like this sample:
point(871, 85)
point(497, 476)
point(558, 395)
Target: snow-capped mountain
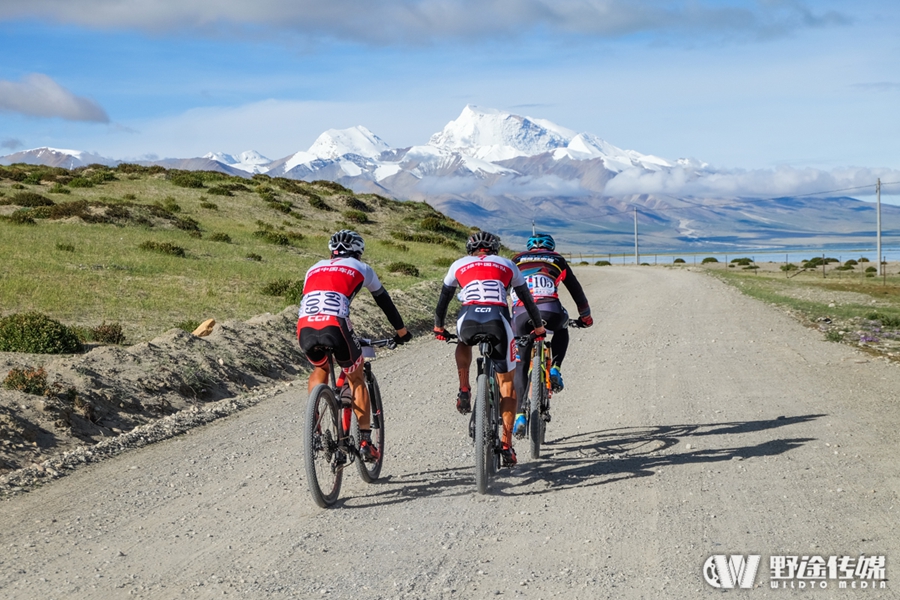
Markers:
point(250, 161)
point(57, 157)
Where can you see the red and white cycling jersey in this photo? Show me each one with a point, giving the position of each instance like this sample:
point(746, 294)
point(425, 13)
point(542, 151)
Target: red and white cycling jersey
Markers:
point(483, 279)
point(329, 287)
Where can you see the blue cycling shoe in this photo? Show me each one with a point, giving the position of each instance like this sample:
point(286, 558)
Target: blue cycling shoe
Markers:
point(519, 426)
point(556, 379)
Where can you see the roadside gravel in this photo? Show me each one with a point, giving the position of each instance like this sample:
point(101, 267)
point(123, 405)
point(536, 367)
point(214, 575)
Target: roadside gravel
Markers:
point(695, 421)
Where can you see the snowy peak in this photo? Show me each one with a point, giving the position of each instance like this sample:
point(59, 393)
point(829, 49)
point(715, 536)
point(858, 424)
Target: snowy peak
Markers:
point(358, 140)
point(495, 135)
point(250, 161)
point(57, 157)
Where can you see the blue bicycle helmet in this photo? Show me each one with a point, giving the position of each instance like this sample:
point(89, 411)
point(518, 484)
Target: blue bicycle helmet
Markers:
point(541, 240)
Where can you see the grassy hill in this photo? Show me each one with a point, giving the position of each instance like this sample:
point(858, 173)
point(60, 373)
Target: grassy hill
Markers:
point(153, 249)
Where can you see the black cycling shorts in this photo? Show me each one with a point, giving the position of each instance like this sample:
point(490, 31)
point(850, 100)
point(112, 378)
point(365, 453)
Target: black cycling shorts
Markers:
point(340, 338)
point(553, 314)
point(493, 321)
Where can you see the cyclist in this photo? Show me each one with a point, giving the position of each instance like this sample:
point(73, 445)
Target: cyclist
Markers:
point(485, 279)
point(324, 322)
point(544, 269)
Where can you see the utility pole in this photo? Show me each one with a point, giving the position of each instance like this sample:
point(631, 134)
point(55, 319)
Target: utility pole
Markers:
point(878, 218)
point(637, 258)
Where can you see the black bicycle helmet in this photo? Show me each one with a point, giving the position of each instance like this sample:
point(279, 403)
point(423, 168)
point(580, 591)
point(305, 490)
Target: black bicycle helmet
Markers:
point(483, 240)
point(541, 240)
point(346, 243)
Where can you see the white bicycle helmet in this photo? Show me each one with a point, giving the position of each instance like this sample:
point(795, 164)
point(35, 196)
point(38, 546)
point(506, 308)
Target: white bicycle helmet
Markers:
point(346, 242)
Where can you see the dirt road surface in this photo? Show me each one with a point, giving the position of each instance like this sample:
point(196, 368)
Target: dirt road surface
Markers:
point(695, 422)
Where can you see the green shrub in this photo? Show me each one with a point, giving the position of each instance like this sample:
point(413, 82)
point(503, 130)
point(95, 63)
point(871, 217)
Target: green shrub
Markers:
point(750, 267)
point(65, 247)
point(81, 182)
point(885, 320)
point(29, 200)
point(189, 325)
point(290, 289)
point(603, 263)
point(272, 237)
point(30, 381)
point(18, 186)
point(186, 224)
point(209, 205)
point(443, 261)
point(169, 204)
point(163, 248)
point(331, 185)
point(833, 335)
point(871, 270)
point(108, 333)
point(424, 238)
point(870, 274)
point(678, 261)
point(254, 257)
point(850, 263)
point(789, 267)
point(355, 216)
point(319, 204)
point(186, 180)
point(58, 188)
point(863, 259)
point(394, 245)
point(403, 268)
point(36, 333)
point(709, 259)
point(354, 203)
point(643, 264)
point(22, 217)
point(743, 262)
point(219, 191)
point(220, 237)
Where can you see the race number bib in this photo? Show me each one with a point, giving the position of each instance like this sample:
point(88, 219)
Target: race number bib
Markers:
point(487, 291)
point(333, 304)
point(540, 286)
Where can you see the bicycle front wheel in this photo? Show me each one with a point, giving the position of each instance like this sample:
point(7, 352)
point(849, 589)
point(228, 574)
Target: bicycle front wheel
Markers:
point(370, 471)
point(538, 389)
point(323, 457)
point(483, 443)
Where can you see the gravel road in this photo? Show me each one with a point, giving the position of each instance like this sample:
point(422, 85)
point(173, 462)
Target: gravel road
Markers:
point(695, 422)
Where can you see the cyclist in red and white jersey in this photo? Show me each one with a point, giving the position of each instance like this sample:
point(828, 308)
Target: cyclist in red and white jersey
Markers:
point(324, 322)
point(485, 279)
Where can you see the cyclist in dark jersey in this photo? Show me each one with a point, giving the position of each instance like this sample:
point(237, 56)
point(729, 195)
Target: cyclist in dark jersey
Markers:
point(544, 269)
point(485, 279)
point(324, 321)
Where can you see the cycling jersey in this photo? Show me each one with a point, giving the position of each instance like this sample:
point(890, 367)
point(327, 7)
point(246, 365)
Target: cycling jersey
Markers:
point(483, 279)
point(324, 318)
point(544, 270)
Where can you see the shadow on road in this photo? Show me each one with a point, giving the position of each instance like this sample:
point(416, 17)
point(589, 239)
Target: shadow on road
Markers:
point(597, 458)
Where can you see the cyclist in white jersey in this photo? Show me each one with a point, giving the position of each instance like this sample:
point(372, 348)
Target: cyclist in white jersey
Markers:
point(485, 279)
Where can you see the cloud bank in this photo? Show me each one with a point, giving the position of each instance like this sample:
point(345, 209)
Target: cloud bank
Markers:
point(392, 21)
point(39, 96)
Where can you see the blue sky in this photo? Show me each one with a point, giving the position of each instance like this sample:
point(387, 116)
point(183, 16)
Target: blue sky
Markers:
point(740, 84)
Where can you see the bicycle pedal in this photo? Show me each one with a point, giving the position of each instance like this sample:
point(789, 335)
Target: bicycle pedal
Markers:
point(546, 417)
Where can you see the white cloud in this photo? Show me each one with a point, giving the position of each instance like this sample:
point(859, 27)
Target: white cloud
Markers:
point(390, 21)
point(784, 181)
point(37, 95)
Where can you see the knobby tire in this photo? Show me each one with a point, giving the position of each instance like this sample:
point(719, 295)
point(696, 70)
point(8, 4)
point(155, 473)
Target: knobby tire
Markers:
point(538, 389)
point(370, 471)
point(320, 443)
point(483, 447)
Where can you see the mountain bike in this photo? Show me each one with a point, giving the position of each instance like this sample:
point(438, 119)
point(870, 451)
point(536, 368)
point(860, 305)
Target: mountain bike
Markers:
point(331, 430)
point(540, 389)
point(486, 421)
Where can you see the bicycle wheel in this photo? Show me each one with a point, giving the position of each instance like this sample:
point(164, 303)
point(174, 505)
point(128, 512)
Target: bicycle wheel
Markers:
point(370, 471)
point(535, 422)
point(483, 450)
point(323, 457)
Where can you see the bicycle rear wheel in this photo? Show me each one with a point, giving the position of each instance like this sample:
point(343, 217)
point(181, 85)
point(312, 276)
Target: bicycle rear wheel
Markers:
point(483, 444)
point(323, 456)
point(370, 471)
point(538, 389)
